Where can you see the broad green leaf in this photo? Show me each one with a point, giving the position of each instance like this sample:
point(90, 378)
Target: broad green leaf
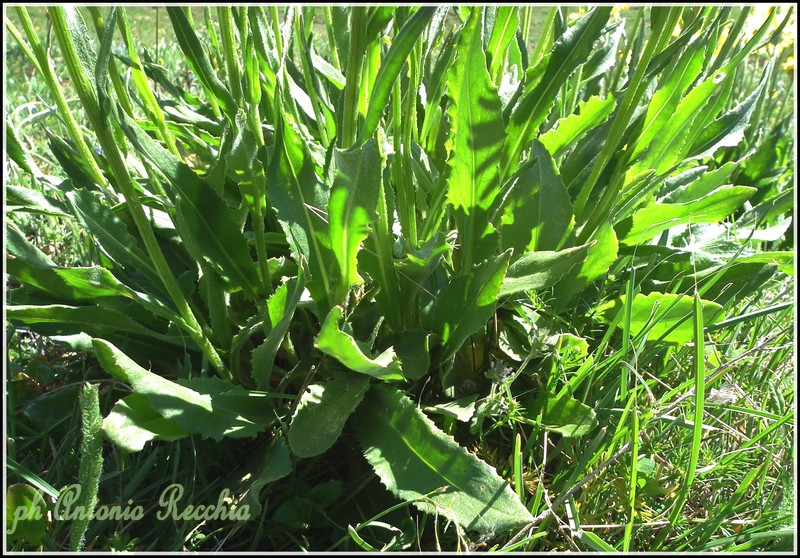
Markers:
point(31, 201)
point(728, 130)
point(110, 233)
point(272, 465)
point(280, 310)
point(570, 51)
point(650, 221)
point(300, 199)
point(133, 421)
point(476, 137)
point(602, 254)
point(322, 412)
point(419, 463)
point(208, 406)
point(208, 228)
point(686, 67)
point(536, 271)
point(467, 302)
point(564, 414)
point(660, 313)
point(390, 68)
point(336, 343)
point(412, 347)
point(352, 208)
point(590, 114)
point(26, 514)
point(538, 212)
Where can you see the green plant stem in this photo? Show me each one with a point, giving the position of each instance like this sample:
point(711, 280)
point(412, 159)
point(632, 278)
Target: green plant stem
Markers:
point(326, 12)
point(119, 169)
point(50, 78)
point(116, 79)
point(91, 462)
point(230, 53)
point(355, 60)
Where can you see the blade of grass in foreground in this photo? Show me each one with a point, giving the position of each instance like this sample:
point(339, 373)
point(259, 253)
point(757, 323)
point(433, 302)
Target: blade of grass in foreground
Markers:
point(697, 435)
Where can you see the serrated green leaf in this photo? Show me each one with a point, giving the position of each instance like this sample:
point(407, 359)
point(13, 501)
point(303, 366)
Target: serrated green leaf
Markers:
point(418, 462)
point(476, 137)
point(280, 310)
point(300, 199)
point(336, 343)
point(650, 221)
point(589, 115)
point(535, 271)
point(210, 407)
point(322, 412)
point(570, 51)
point(352, 208)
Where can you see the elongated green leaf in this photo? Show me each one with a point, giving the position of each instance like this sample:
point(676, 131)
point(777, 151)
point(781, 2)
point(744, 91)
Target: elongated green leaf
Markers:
point(390, 69)
point(590, 114)
point(538, 211)
point(336, 343)
point(506, 22)
point(94, 320)
point(476, 137)
point(31, 201)
point(299, 199)
point(207, 406)
point(17, 154)
point(280, 309)
point(209, 230)
point(665, 101)
point(660, 313)
point(728, 130)
point(418, 462)
point(535, 271)
point(352, 208)
point(322, 412)
point(199, 62)
point(110, 233)
point(650, 221)
point(602, 254)
point(570, 51)
point(468, 301)
point(707, 182)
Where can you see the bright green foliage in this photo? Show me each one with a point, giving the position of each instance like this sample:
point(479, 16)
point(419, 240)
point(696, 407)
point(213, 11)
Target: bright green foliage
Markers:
point(311, 238)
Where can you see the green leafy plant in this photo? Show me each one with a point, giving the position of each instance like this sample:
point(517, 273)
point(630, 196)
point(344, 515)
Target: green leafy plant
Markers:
point(323, 243)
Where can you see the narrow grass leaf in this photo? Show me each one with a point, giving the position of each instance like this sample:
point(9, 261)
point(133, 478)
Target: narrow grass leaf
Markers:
point(390, 68)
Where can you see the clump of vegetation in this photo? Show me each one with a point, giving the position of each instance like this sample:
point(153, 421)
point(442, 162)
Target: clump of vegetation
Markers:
point(405, 278)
